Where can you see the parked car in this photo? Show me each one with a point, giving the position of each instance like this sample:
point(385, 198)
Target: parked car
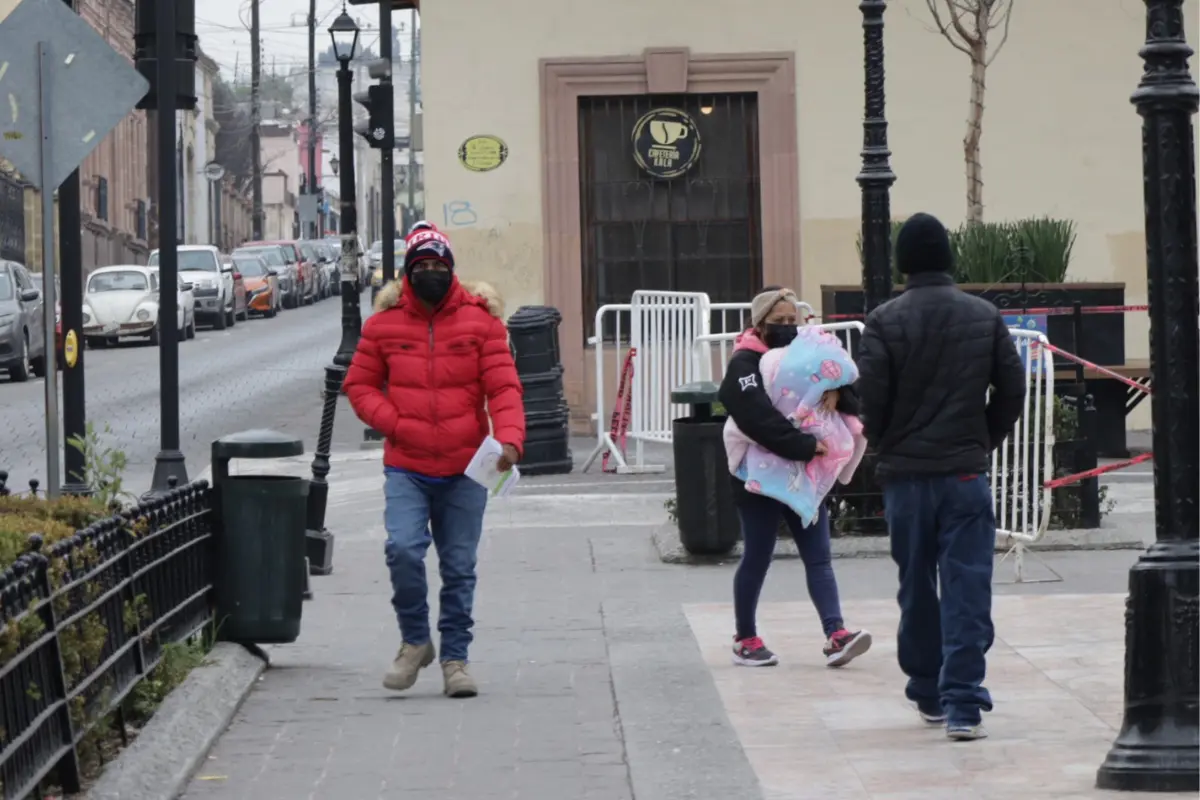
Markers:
point(22, 324)
point(314, 254)
point(59, 358)
point(306, 271)
point(240, 309)
point(262, 284)
point(377, 273)
point(201, 266)
point(122, 300)
point(333, 278)
point(276, 259)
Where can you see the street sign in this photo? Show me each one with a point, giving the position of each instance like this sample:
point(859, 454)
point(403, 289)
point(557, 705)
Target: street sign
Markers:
point(214, 171)
point(307, 207)
point(90, 88)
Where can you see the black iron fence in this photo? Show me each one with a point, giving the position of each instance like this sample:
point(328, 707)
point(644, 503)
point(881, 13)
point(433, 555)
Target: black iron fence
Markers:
point(84, 618)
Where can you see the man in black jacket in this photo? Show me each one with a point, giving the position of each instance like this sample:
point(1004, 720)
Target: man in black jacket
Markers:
point(926, 362)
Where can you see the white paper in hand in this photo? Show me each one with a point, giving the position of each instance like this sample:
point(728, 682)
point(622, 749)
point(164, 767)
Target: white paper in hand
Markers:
point(483, 471)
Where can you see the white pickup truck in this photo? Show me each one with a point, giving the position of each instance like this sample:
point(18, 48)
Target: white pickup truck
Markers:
point(212, 283)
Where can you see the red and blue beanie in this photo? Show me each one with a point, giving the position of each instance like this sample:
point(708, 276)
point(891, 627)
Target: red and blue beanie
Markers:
point(427, 244)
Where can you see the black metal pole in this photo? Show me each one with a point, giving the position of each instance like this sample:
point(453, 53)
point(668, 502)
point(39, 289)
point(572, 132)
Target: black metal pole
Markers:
point(1158, 748)
point(876, 177)
point(168, 463)
point(70, 266)
point(388, 176)
point(320, 540)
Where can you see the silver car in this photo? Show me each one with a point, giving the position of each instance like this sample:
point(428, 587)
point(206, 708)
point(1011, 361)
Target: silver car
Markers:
point(22, 327)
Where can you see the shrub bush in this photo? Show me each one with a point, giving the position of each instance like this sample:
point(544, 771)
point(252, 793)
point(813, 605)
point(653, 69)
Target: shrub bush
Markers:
point(1036, 250)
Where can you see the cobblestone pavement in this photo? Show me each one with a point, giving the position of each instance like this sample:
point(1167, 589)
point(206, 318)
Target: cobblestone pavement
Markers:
point(594, 682)
point(260, 373)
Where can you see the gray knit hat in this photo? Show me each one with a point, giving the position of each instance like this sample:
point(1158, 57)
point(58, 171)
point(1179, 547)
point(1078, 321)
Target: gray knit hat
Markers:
point(764, 301)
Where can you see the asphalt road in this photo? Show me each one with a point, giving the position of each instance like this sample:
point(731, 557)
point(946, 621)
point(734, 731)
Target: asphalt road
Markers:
point(260, 373)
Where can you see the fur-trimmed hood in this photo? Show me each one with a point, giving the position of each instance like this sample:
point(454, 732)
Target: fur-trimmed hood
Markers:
point(389, 295)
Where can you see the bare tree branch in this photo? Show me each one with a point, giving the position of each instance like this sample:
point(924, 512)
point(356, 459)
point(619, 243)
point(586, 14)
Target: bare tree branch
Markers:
point(944, 28)
point(1006, 14)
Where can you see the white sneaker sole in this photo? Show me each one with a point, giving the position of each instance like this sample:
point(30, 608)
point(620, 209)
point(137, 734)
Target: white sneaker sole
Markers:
point(747, 662)
point(929, 719)
point(966, 734)
point(855, 648)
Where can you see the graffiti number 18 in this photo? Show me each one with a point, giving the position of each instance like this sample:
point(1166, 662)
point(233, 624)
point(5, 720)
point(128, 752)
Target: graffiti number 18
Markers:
point(459, 214)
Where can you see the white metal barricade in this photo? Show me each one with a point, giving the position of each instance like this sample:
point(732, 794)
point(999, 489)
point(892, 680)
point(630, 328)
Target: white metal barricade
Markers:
point(608, 319)
point(663, 327)
point(1025, 462)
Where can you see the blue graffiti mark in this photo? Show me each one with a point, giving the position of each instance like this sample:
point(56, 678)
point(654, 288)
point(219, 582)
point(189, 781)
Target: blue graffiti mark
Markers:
point(459, 214)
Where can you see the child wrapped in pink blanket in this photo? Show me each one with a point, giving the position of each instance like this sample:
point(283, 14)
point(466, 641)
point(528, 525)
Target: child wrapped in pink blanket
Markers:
point(796, 378)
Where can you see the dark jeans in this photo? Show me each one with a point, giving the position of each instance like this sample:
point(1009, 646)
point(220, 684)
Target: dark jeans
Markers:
point(943, 528)
point(760, 521)
point(453, 512)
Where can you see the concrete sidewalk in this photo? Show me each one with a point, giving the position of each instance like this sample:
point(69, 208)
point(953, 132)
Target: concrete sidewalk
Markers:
point(603, 675)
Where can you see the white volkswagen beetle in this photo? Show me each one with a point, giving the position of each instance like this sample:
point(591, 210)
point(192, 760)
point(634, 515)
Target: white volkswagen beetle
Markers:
point(122, 300)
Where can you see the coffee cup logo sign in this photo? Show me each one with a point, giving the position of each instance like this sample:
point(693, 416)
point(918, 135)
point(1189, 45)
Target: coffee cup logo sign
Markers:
point(666, 143)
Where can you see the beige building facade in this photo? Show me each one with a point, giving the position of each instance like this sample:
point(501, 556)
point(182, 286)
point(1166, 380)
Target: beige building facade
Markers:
point(1060, 139)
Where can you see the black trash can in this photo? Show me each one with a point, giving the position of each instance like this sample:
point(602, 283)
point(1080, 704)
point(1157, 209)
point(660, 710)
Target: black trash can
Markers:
point(543, 391)
point(547, 443)
point(704, 509)
point(533, 331)
point(261, 575)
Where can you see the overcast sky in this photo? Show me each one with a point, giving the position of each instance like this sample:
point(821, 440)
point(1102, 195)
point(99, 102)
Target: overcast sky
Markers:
point(223, 28)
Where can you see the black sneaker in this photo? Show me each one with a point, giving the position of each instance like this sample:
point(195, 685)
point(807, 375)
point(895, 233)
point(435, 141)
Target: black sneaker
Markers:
point(751, 652)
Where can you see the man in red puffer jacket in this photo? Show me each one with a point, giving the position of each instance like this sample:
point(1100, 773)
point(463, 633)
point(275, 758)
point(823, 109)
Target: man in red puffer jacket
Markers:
point(429, 359)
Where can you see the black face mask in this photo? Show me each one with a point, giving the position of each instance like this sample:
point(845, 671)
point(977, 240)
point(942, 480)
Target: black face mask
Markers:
point(778, 335)
point(431, 285)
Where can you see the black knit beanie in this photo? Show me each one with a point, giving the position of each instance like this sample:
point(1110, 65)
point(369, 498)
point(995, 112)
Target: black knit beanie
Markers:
point(923, 245)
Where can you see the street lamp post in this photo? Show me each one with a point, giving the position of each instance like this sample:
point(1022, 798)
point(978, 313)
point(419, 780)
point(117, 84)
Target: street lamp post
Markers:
point(344, 32)
point(876, 177)
point(1157, 748)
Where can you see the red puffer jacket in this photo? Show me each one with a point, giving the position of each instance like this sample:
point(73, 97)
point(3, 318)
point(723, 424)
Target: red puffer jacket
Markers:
point(421, 378)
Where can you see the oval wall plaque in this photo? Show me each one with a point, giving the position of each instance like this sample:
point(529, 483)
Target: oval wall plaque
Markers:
point(483, 153)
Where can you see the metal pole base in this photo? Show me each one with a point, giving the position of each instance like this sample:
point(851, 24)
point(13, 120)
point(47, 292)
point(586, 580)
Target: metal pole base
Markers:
point(168, 464)
point(1158, 748)
point(318, 547)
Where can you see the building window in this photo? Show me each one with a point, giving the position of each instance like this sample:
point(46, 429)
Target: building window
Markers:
point(141, 220)
point(697, 232)
point(102, 199)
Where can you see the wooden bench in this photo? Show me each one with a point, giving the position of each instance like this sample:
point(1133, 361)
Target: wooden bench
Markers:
point(1114, 400)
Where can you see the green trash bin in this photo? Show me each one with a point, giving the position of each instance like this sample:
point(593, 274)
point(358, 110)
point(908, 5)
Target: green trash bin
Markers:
point(261, 574)
point(704, 508)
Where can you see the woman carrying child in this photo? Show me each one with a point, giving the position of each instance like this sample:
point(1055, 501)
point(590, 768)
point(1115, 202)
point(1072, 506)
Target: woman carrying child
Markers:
point(755, 419)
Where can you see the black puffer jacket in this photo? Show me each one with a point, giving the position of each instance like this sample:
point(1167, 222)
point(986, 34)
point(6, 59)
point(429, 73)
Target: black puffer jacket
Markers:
point(926, 361)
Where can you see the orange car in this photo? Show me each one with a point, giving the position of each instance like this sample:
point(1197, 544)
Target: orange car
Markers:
point(262, 285)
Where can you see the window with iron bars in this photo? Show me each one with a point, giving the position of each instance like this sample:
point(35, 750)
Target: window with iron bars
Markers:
point(141, 220)
point(102, 199)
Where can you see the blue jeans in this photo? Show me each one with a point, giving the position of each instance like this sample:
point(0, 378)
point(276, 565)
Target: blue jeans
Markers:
point(449, 514)
point(943, 528)
point(760, 521)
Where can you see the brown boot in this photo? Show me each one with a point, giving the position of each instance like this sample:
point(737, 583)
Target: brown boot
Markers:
point(459, 682)
point(411, 659)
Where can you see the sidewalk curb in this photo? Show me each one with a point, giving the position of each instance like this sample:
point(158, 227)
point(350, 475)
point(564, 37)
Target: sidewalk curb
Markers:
point(175, 742)
point(665, 538)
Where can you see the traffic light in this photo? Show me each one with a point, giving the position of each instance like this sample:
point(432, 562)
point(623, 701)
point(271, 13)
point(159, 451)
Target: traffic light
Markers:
point(377, 128)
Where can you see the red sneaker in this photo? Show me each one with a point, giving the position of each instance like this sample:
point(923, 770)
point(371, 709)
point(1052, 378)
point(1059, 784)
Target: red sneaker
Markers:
point(844, 646)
